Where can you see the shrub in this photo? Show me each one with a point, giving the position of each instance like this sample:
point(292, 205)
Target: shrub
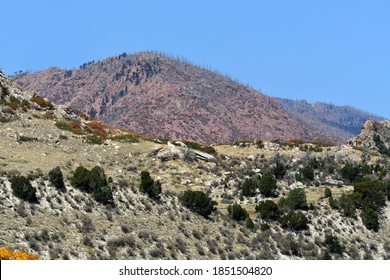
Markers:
point(248, 188)
point(333, 245)
point(98, 183)
point(42, 102)
point(279, 170)
point(307, 173)
point(94, 139)
point(8, 254)
point(237, 212)
point(73, 127)
point(370, 219)
point(249, 223)
point(267, 184)
point(268, 210)
point(149, 186)
point(200, 147)
point(372, 193)
point(327, 193)
point(296, 199)
point(198, 202)
point(350, 172)
point(94, 182)
point(264, 227)
point(80, 179)
point(22, 188)
point(347, 205)
point(56, 178)
point(294, 220)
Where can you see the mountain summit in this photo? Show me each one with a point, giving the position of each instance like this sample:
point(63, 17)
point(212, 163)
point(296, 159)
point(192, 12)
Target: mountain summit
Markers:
point(162, 97)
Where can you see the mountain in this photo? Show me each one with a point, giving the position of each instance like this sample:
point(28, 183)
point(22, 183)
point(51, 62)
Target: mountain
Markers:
point(72, 188)
point(166, 98)
point(342, 121)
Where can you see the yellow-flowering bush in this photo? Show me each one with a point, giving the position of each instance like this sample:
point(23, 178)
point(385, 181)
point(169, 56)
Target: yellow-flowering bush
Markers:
point(8, 254)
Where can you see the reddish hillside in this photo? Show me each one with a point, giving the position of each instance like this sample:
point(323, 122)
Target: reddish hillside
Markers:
point(166, 98)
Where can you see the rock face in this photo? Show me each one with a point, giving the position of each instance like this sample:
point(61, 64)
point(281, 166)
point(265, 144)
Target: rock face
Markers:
point(161, 97)
point(375, 135)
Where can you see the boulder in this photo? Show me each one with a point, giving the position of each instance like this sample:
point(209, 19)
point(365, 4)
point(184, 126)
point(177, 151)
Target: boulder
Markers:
point(164, 155)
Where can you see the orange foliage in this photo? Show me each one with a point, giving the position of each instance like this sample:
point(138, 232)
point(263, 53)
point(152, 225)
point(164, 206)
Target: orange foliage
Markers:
point(8, 254)
point(99, 128)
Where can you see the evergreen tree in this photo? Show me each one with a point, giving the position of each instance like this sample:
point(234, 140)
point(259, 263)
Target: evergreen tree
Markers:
point(56, 178)
point(22, 188)
point(80, 179)
point(149, 186)
point(267, 184)
point(268, 210)
point(237, 212)
point(198, 202)
point(248, 188)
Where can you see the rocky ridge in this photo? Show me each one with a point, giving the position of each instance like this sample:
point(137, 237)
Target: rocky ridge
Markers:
point(375, 135)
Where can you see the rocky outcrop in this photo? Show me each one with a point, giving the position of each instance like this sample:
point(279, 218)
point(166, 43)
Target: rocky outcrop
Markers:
point(375, 135)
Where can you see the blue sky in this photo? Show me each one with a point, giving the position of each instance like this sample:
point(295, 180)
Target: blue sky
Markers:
point(330, 51)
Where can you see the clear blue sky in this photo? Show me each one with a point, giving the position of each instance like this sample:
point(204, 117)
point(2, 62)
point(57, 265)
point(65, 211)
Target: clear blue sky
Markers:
point(330, 51)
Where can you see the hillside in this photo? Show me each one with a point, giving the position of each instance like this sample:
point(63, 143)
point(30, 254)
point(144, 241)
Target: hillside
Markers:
point(291, 200)
point(166, 98)
point(343, 121)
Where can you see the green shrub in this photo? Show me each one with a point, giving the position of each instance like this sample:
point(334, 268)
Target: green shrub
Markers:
point(294, 220)
point(327, 193)
point(149, 186)
point(56, 178)
point(198, 202)
point(268, 210)
point(370, 219)
point(264, 227)
point(351, 172)
point(248, 188)
point(347, 205)
point(80, 179)
point(94, 182)
point(126, 138)
point(237, 212)
point(333, 245)
point(372, 193)
point(267, 185)
point(94, 139)
point(280, 170)
point(296, 199)
point(249, 223)
point(307, 173)
point(22, 188)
